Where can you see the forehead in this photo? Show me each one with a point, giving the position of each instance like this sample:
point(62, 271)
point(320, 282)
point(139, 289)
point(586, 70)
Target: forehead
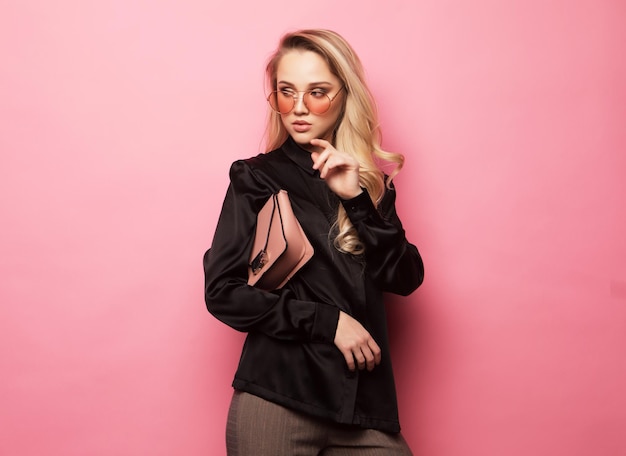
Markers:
point(304, 67)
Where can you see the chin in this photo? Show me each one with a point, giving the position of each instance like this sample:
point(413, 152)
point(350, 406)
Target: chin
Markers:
point(304, 139)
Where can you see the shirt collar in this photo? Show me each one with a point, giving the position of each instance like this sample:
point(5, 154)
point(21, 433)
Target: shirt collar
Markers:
point(298, 155)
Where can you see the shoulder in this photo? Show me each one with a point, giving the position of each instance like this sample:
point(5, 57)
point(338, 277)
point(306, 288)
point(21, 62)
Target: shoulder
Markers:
point(266, 161)
point(388, 201)
point(257, 172)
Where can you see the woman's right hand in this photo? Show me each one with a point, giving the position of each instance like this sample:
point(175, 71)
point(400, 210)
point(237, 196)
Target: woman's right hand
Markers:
point(356, 344)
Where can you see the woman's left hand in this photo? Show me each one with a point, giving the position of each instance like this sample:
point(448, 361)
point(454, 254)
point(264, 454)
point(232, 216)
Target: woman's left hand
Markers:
point(339, 169)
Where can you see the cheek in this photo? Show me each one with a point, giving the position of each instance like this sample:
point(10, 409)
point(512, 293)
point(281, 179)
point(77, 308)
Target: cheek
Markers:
point(333, 116)
point(337, 110)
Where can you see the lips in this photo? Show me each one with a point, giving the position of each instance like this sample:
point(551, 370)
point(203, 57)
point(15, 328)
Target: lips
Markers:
point(301, 126)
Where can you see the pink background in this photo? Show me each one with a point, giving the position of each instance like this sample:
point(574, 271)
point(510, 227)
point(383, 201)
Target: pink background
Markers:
point(118, 122)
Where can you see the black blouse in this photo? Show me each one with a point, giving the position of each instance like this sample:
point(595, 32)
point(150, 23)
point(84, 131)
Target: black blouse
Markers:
point(289, 356)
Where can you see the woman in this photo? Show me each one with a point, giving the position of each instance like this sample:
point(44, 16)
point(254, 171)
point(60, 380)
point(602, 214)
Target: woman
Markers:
point(315, 374)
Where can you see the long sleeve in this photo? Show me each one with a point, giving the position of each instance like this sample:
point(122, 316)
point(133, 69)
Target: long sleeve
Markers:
point(276, 314)
point(391, 260)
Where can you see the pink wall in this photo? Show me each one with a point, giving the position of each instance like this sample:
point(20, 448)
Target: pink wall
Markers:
point(118, 120)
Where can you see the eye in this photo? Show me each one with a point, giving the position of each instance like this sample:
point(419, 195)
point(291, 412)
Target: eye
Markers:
point(317, 93)
point(286, 92)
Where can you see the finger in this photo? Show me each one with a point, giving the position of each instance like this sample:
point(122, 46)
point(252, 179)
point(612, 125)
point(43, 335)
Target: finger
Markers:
point(324, 169)
point(376, 351)
point(330, 165)
point(318, 158)
point(370, 359)
point(315, 156)
point(360, 358)
point(349, 359)
point(321, 158)
point(320, 143)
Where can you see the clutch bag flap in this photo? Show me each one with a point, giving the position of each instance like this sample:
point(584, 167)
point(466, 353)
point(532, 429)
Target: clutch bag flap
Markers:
point(280, 247)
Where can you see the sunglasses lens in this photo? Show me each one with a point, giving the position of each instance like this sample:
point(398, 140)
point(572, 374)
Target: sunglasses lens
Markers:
point(318, 103)
point(281, 102)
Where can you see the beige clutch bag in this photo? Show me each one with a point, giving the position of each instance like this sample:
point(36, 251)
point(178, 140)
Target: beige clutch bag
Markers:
point(280, 246)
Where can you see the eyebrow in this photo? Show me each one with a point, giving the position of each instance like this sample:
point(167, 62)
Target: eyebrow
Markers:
point(312, 84)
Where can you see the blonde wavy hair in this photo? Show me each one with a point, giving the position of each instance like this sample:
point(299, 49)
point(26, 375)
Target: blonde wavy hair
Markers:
point(357, 131)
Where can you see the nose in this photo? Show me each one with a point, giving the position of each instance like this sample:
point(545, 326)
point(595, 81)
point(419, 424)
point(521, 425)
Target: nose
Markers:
point(299, 105)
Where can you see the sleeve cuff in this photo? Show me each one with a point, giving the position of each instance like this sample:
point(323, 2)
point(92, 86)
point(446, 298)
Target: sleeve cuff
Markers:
point(359, 207)
point(325, 324)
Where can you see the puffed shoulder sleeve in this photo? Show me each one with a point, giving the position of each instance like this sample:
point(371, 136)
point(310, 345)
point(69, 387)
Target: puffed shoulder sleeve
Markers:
point(229, 298)
point(391, 260)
